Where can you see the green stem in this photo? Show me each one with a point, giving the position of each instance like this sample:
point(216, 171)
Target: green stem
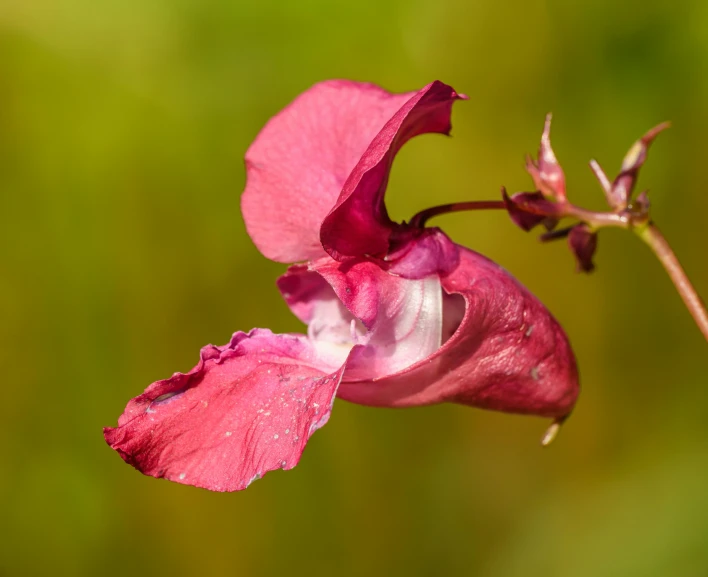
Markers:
point(656, 241)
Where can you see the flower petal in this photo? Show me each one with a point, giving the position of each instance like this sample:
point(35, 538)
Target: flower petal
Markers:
point(301, 159)
point(397, 321)
point(418, 253)
point(247, 408)
point(508, 353)
point(331, 327)
point(358, 224)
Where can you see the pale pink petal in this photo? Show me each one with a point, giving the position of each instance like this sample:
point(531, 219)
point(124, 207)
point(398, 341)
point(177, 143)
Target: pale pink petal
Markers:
point(397, 321)
point(508, 352)
point(299, 162)
point(313, 301)
point(358, 224)
point(247, 408)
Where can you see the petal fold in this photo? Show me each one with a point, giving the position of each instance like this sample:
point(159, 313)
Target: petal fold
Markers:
point(418, 253)
point(299, 162)
point(358, 224)
point(247, 408)
point(395, 321)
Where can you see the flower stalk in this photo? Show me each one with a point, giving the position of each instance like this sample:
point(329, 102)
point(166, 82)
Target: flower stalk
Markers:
point(659, 245)
point(421, 218)
point(549, 204)
point(637, 222)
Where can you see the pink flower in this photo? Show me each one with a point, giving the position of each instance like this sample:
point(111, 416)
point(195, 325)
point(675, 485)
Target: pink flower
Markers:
point(397, 315)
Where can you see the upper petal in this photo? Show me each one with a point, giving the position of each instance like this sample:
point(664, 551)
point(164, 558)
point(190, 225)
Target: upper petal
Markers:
point(508, 352)
point(299, 162)
point(359, 224)
point(247, 408)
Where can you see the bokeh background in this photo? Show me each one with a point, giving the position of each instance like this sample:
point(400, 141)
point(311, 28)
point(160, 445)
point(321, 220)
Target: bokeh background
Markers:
point(123, 124)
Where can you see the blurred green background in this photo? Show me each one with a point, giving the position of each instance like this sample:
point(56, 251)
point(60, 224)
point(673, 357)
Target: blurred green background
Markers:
point(122, 130)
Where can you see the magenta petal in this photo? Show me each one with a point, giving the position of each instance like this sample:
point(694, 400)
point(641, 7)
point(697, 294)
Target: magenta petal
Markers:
point(299, 162)
point(359, 225)
point(508, 353)
point(247, 408)
point(418, 253)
